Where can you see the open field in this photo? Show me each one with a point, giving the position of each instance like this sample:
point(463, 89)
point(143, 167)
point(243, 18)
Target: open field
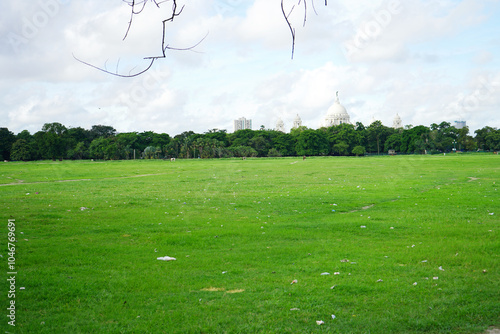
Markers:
point(411, 245)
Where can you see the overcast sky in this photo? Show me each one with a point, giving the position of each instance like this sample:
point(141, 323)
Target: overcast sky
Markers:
point(427, 60)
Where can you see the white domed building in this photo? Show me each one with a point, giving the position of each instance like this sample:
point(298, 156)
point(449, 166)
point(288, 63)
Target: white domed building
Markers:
point(337, 114)
point(280, 125)
point(397, 123)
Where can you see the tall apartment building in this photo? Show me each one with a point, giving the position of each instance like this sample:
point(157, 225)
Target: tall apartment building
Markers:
point(242, 123)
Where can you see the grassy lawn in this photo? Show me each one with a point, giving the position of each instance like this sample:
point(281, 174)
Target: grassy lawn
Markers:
point(410, 243)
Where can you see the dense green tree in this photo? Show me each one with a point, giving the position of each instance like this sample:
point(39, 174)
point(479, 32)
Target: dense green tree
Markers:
point(274, 153)
point(481, 137)
point(493, 140)
point(312, 142)
point(7, 138)
point(97, 148)
point(343, 134)
point(56, 128)
point(413, 139)
point(20, 150)
point(241, 137)
point(295, 132)
point(103, 131)
point(80, 151)
point(52, 144)
point(260, 144)
point(358, 150)
point(285, 143)
point(25, 134)
point(220, 135)
point(377, 134)
point(393, 142)
point(341, 148)
point(242, 151)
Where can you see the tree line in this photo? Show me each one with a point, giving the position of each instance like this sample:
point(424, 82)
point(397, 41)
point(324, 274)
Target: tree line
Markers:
point(56, 141)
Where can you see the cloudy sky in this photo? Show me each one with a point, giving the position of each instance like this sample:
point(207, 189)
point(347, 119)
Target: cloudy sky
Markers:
point(427, 60)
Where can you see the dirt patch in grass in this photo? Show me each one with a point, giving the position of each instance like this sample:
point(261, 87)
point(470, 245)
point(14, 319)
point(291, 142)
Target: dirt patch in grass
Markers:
point(212, 289)
point(366, 207)
point(235, 291)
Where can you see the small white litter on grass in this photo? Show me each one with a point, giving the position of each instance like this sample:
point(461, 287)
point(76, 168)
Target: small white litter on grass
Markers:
point(325, 273)
point(336, 273)
point(415, 283)
point(379, 280)
point(295, 309)
point(424, 261)
point(363, 226)
point(294, 281)
point(435, 277)
point(441, 268)
point(320, 322)
point(166, 258)
point(333, 316)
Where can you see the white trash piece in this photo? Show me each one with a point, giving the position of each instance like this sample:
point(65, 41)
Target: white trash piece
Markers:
point(166, 258)
point(325, 273)
point(320, 322)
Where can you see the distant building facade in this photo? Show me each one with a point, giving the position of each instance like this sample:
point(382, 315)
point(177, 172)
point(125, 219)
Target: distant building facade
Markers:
point(460, 124)
point(242, 124)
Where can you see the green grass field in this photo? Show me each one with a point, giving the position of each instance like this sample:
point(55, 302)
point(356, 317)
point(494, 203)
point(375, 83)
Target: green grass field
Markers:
point(410, 243)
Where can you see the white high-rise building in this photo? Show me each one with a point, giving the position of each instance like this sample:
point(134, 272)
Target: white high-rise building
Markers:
point(242, 124)
point(460, 124)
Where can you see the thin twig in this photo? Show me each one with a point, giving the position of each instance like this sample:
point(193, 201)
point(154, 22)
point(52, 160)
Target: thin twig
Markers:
point(292, 30)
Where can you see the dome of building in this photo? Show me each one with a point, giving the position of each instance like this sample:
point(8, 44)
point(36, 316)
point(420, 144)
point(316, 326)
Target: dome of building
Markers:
point(297, 122)
point(337, 114)
point(280, 125)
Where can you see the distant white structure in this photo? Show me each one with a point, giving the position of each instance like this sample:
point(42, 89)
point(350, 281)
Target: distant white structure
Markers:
point(297, 122)
point(280, 126)
point(242, 124)
point(337, 114)
point(460, 124)
point(397, 123)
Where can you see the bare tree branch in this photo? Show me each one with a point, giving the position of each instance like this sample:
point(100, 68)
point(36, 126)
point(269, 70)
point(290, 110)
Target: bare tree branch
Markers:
point(292, 30)
point(138, 6)
point(287, 17)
